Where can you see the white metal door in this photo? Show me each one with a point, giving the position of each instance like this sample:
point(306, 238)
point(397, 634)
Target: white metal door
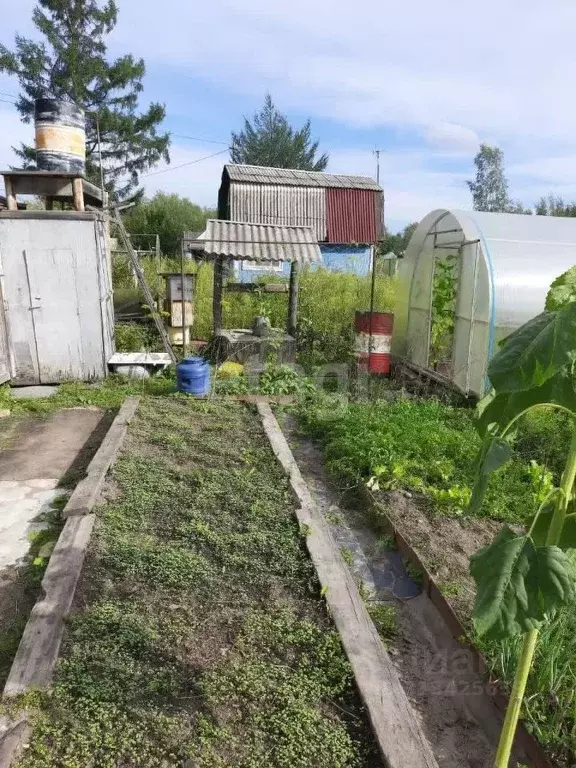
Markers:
point(55, 310)
point(4, 358)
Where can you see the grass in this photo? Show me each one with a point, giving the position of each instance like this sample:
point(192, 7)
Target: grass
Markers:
point(107, 394)
point(199, 635)
point(550, 703)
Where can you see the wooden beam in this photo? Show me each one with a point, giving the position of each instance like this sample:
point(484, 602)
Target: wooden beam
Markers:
point(293, 298)
point(256, 287)
point(396, 726)
point(11, 202)
point(217, 297)
point(88, 489)
point(78, 193)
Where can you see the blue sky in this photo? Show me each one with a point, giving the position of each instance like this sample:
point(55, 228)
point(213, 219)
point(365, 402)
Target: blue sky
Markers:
point(424, 82)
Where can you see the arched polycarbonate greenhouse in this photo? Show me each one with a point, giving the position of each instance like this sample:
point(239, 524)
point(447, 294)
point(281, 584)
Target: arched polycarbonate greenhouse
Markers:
point(502, 266)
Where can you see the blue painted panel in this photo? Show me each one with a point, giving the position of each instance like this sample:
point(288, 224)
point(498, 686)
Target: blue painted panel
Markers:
point(335, 258)
point(346, 258)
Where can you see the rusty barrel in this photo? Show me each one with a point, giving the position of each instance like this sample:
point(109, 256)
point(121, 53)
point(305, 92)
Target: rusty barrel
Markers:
point(60, 136)
point(377, 358)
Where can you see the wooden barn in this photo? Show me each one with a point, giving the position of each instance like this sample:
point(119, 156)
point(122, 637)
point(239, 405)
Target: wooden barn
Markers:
point(344, 212)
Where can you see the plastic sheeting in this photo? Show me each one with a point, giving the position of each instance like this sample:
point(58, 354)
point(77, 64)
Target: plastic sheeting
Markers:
point(507, 262)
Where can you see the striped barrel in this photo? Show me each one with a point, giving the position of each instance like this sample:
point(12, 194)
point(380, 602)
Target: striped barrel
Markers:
point(377, 358)
point(60, 136)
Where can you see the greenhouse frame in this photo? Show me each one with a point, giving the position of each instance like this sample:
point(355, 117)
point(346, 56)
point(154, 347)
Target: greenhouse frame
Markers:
point(506, 263)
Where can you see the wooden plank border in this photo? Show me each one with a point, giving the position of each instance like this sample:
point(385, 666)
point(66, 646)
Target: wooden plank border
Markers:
point(88, 489)
point(394, 722)
point(525, 741)
point(37, 654)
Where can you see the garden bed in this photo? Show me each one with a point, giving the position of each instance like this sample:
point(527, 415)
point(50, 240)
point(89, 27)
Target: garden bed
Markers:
point(199, 635)
point(418, 459)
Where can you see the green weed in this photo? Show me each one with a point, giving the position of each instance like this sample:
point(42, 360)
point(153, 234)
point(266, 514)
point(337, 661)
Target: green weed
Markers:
point(422, 446)
point(384, 617)
point(451, 589)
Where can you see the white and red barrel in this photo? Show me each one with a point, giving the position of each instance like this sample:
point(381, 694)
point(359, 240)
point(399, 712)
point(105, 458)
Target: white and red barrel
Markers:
point(374, 357)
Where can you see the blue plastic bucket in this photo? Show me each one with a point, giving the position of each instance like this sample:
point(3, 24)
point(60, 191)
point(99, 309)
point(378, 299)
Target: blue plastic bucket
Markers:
point(193, 376)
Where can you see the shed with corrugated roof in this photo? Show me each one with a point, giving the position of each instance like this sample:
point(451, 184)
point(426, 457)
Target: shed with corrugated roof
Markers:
point(344, 212)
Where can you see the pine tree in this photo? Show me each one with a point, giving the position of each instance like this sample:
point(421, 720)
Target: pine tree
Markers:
point(70, 63)
point(270, 140)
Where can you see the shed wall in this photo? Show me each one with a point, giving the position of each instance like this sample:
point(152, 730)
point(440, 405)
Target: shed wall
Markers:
point(351, 215)
point(279, 205)
point(57, 296)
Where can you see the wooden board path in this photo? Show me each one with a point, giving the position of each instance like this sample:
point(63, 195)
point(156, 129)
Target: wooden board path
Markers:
point(394, 722)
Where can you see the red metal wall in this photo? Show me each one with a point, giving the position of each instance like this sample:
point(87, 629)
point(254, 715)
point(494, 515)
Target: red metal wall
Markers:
point(353, 215)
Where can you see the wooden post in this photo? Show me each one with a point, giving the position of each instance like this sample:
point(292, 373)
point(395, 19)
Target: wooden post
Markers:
point(49, 203)
point(217, 298)
point(11, 201)
point(293, 298)
point(78, 194)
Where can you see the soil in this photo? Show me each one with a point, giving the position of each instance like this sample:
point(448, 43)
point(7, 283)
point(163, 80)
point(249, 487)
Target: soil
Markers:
point(439, 676)
point(444, 545)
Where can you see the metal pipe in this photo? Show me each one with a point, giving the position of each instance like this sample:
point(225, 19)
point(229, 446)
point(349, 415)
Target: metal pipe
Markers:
point(184, 349)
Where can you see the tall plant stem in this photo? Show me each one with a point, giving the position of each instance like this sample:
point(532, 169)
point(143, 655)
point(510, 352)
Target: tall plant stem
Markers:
point(531, 637)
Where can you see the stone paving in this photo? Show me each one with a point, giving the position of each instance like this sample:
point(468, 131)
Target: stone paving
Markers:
point(23, 507)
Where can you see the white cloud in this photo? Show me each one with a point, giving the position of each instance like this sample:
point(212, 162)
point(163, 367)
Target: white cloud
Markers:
point(504, 71)
point(452, 136)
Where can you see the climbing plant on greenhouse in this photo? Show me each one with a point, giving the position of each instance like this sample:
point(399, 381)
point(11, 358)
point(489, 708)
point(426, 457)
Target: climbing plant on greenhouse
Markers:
point(443, 308)
point(522, 579)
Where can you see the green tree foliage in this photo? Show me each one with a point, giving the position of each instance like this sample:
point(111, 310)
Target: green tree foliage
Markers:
point(269, 139)
point(399, 242)
point(554, 206)
point(168, 216)
point(490, 187)
point(69, 62)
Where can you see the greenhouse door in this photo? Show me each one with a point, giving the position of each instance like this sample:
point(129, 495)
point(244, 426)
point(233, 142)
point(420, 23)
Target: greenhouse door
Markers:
point(469, 333)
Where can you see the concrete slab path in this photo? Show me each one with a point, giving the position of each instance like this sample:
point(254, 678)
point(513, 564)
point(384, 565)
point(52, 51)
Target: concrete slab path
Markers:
point(40, 453)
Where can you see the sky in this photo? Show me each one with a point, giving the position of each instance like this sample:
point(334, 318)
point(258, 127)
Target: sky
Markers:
point(423, 82)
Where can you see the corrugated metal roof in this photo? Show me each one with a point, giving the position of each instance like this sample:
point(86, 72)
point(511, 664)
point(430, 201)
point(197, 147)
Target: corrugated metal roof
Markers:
point(351, 216)
point(256, 174)
point(255, 242)
point(280, 206)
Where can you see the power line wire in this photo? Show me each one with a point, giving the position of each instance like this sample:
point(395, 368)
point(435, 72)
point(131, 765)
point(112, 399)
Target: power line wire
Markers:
point(173, 167)
point(197, 138)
